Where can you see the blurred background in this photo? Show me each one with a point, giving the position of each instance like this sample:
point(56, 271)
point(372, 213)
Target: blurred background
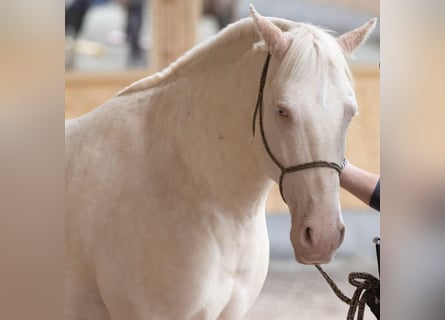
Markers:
point(111, 35)
point(109, 44)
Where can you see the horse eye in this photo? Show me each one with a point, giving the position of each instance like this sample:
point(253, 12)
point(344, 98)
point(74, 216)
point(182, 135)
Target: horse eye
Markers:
point(282, 113)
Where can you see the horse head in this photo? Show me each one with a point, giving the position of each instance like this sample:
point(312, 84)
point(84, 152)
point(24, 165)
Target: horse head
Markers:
point(307, 105)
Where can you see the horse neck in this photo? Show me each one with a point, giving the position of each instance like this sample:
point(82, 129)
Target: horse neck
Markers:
point(216, 131)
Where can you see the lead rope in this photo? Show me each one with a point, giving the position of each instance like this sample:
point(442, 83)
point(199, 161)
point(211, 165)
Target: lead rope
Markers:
point(364, 283)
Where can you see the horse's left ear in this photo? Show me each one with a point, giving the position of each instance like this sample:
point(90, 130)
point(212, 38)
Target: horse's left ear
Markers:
point(277, 41)
point(355, 38)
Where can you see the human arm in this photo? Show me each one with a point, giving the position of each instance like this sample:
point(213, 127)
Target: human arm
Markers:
point(362, 184)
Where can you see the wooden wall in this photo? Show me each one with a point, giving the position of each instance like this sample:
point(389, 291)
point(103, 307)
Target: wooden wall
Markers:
point(369, 6)
point(174, 25)
point(84, 91)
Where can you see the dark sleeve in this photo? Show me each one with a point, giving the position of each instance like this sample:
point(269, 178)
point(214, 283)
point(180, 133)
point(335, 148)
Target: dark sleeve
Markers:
point(375, 197)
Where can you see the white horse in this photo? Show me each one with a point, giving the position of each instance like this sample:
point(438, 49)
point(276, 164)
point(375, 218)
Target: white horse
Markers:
point(166, 184)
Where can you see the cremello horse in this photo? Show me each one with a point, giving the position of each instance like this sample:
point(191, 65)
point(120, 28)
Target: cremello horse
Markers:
point(166, 185)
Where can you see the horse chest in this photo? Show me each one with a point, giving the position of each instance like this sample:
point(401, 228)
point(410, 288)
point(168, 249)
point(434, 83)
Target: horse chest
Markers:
point(194, 265)
point(236, 267)
point(230, 271)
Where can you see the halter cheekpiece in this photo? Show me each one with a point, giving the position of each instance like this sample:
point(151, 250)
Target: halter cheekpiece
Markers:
point(284, 170)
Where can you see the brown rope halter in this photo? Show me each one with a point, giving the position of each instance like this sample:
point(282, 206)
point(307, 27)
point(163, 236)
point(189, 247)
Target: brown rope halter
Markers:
point(364, 282)
point(284, 170)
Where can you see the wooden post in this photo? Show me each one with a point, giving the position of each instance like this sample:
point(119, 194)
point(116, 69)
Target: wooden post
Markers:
point(174, 29)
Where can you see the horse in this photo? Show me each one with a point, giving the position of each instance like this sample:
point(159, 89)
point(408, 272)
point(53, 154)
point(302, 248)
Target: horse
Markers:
point(166, 183)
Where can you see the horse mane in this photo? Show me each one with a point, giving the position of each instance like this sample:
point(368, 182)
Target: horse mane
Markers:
point(242, 35)
point(314, 50)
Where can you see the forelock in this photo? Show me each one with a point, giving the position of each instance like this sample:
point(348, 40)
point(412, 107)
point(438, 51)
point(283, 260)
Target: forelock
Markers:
point(312, 52)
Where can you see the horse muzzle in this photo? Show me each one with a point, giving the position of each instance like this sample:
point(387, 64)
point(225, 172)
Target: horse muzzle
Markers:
point(315, 243)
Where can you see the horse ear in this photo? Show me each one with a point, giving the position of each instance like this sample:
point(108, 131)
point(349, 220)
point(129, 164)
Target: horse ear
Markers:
point(277, 41)
point(355, 38)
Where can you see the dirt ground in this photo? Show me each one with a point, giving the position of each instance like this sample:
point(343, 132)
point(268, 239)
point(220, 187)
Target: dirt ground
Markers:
point(295, 292)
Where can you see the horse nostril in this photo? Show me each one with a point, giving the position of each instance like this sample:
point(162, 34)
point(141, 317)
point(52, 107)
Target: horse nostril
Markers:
point(308, 235)
point(342, 235)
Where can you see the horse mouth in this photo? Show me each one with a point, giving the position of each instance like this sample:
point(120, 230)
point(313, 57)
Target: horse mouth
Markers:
point(313, 259)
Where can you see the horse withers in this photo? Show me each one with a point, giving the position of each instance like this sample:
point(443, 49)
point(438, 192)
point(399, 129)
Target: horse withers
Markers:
point(166, 185)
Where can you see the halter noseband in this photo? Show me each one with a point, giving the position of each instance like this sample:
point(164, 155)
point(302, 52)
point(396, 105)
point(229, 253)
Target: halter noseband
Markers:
point(284, 170)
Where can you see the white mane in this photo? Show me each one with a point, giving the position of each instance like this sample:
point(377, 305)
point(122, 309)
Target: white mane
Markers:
point(243, 33)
